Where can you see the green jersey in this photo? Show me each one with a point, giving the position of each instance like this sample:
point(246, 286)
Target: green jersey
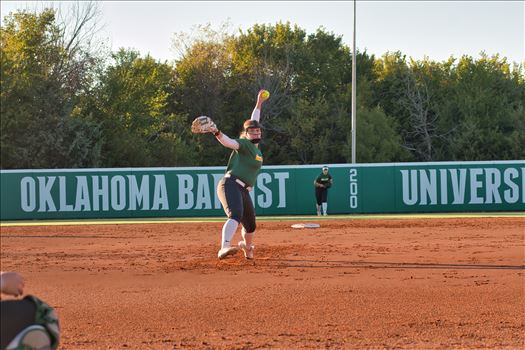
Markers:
point(324, 180)
point(245, 162)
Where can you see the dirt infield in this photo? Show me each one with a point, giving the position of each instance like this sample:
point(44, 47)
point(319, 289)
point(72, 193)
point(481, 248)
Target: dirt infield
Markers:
point(351, 284)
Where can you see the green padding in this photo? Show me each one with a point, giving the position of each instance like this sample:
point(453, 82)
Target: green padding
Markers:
point(45, 315)
point(280, 190)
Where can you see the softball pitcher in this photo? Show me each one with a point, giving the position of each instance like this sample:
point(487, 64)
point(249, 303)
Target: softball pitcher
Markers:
point(233, 189)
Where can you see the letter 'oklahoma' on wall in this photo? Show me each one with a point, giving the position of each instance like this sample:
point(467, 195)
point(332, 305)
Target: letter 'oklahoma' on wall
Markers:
point(93, 193)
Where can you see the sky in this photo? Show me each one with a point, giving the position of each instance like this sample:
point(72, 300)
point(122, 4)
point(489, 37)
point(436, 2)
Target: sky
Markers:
point(433, 29)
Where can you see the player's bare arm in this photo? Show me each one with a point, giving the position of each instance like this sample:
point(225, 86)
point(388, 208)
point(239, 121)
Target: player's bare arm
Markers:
point(11, 283)
point(204, 124)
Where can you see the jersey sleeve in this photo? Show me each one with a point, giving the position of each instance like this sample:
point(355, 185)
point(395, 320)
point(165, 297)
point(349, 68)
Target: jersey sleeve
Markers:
point(329, 183)
point(242, 145)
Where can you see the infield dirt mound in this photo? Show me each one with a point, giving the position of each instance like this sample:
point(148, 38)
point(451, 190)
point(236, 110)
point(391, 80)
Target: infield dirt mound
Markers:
point(411, 284)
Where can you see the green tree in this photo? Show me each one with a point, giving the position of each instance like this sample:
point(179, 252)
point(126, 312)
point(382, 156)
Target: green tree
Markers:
point(41, 80)
point(305, 74)
point(201, 86)
point(469, 110)
point(131, 103)
point(377, 139)
point(309, 76)
point(62, 107)
point(487, 110)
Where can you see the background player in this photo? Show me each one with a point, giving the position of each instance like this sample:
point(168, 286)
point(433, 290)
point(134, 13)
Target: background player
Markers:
point(322, 183)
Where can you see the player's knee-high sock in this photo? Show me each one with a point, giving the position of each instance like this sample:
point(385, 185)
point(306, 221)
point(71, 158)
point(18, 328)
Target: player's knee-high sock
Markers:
point(325, 207)
point(248, 237)
point(318, 207)
point(228, 230)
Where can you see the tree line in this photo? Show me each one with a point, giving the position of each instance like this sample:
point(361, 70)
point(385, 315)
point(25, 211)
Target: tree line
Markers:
point(66, 103)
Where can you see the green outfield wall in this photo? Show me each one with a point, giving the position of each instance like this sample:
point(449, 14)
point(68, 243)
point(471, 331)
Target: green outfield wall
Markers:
point(280, 190)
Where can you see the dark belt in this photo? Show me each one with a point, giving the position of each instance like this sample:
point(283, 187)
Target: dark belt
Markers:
point(239, 181)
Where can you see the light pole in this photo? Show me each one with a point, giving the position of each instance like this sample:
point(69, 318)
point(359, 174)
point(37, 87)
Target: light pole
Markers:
point(354, 64)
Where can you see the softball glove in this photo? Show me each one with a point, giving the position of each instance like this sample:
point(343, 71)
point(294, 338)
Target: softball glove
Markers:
point(202, 125)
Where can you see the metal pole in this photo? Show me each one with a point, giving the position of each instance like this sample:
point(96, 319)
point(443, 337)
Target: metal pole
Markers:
point(354, 88)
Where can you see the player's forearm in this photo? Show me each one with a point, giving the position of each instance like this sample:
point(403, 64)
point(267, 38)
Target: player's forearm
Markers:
point(256, 113)
point(226, 141)
point(262, 96)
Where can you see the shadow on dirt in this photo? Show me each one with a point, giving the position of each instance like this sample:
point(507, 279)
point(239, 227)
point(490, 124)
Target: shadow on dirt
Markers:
point(302, 263)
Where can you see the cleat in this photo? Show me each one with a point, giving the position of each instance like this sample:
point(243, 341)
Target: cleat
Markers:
point(325, 214)
point(248, 253)
point(226, 251)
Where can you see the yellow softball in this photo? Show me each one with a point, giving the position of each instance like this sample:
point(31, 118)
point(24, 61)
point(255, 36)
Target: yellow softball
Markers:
point(265, 94)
